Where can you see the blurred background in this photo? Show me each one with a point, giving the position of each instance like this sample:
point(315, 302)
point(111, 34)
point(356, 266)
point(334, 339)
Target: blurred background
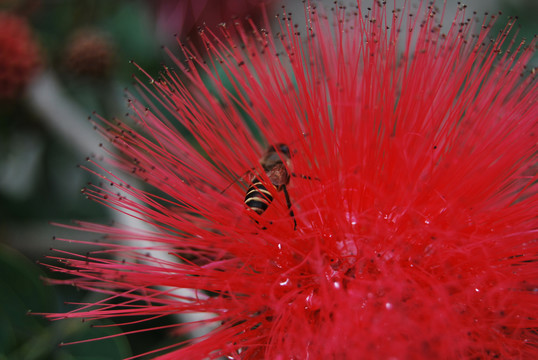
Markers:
point(60, 60)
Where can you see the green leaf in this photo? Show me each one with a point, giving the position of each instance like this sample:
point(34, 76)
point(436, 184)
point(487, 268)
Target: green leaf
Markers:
point(22, 290)
point(31, 337)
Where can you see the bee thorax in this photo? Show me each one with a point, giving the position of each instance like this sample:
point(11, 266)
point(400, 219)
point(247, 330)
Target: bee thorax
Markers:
point(279, 175)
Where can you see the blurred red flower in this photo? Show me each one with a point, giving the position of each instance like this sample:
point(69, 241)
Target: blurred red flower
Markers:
point(413, 186)
point(184, 17)
point(19, 55)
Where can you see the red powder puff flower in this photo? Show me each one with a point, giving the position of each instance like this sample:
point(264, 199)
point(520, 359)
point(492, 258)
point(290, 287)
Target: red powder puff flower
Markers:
point(393, 213)
point(19, 55)
point(185, 16)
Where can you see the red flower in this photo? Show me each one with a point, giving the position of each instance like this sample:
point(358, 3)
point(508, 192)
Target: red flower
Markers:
point(413, 186)
point(19, 55)
point(186, 16)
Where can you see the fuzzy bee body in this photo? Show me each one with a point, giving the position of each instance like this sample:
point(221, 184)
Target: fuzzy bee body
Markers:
point(258, 197)
point(275, 164)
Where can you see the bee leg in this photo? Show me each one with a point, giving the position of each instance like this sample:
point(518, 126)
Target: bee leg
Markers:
point(306, 177)
point(288, 202)
point(263, 227)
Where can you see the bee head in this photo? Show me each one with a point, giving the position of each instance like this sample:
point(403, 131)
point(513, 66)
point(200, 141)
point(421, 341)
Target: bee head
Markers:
point(275, 155)
point(280, 148)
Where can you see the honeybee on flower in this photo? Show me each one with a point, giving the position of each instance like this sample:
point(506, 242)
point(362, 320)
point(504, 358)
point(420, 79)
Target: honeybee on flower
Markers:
point(418, 238)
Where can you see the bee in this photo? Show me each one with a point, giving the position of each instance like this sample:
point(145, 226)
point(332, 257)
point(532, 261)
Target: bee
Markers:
point(275, 163)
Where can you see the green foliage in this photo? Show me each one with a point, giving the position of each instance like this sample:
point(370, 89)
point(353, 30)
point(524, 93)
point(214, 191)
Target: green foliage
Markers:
point(26, 336)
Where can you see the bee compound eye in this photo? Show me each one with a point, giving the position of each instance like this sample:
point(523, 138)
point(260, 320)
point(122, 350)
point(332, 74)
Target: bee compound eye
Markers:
point(284, 149)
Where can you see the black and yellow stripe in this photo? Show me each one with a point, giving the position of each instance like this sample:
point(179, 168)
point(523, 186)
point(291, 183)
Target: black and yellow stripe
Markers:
point(258, 197)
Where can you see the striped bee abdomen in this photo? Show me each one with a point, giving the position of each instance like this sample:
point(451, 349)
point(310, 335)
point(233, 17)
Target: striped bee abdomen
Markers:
point(258, 197)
